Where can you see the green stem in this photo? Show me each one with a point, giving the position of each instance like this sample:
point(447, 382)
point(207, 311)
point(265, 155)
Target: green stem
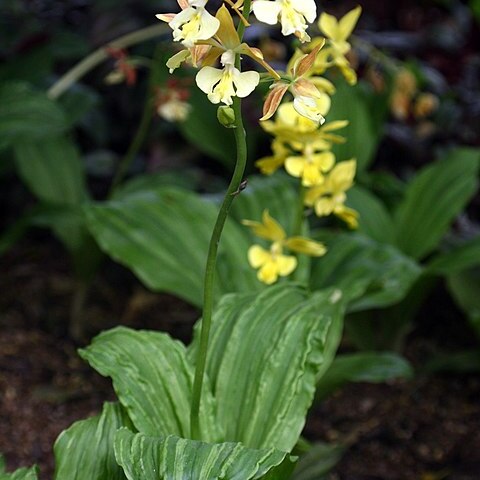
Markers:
point(99, 55)
point(209, 279)
point(142, 130)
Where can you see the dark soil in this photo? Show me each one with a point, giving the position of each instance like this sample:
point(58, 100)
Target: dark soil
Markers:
point(426, 429)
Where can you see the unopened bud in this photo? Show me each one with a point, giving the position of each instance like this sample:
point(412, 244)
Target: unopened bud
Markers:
point(226, 116)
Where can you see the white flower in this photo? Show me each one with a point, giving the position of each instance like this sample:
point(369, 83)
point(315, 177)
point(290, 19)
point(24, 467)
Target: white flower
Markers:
point(294, 15)
point(221, 85)
point(192, 24)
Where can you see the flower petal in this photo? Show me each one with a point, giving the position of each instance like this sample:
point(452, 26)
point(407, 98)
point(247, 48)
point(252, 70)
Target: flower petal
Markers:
point(306, 246)
point(207, 78)
point(274, 229)
point(268, 273)
point(266, 11)
point(258, 256)
point(245, 82)
point(286, 264)
point(329, 26)
point(347, 23)
point(295, 166)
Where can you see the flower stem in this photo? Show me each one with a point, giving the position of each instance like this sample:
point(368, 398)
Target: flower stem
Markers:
point(99, 55)
point(209, 279)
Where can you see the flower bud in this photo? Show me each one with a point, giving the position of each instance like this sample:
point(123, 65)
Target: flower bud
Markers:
point(226, 116)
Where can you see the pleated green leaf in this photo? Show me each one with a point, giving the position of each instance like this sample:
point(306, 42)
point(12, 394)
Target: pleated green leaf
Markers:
point(174, 458)
point(318, 462)
point(371, 274)
point(52, 170)
point(27, 115)
point(20, 474)
point(372, 367)
point(461, 257)
point(163, 237)
point(85, 450)
point(153, 381)
point(267, 352)
point(433, 200)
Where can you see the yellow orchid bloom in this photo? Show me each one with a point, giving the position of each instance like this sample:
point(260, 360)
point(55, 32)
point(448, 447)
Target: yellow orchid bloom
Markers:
point(329, 197)
point(338, 31)
point(272, 263)
point(192, 24)
point(294, 15)
point(310, 166)
point(269, 165)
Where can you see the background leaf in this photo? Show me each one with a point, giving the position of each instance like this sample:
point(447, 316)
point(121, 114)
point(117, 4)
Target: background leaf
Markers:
point(153, 381)
point(85, 450)
point(364, 130)
point(20, 474)
point(375, 221)
point(371, 274)
point(433, 199)
point(459, 258)
point(163, 237)
point(27, 115)
point(267, 351)
point(173, 458)
point(371, 367)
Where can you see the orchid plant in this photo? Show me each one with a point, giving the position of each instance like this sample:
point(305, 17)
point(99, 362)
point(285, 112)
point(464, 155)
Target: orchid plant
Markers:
point(232, 404)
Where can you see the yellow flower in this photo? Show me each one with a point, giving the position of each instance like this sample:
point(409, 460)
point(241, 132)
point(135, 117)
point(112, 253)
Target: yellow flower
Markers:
point(294, 15)
point(192, 24)
point(269, 165)
point(221, 85)
point(310, 166)
point(338, 31)
point(272, 263)
point(329, 197)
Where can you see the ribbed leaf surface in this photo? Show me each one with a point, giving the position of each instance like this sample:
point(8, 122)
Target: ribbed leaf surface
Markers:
point(52, 170)
point(85, 450)
point(174, 458)
point(266, 354)
point(163, 237)
point(371, 274)
point(153, 381)
point(27, 115)
point(20, 474)
point(318, 462)
point(433, 199)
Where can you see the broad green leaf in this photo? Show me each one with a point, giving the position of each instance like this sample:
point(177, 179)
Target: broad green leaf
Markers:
point(77, 102)
point(153, 381)
point(203, 130)
point(465, 289)
point(52, 170)
point(372, 367)
point(163, 236)
point(371, 274)
point(85, 450)
point(433, 199)
point(20, 474)
point(267, 352)
point(174, 458)
point(375, 221)
point(364, 130)
point(27, 115)
point(459, 258)
point(318, 462)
